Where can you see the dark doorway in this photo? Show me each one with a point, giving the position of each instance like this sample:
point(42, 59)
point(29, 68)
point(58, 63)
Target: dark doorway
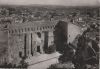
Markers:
point(38, 49)
point(45, 41)
point(39, 34)
point(20, 54)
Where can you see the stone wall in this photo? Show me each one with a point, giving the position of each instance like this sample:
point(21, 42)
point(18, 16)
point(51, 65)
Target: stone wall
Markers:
point(3, 47)
point(24, 41)
point(16, 48)
point(27, 44)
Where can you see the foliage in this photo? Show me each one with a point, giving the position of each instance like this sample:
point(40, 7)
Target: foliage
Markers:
point(51, 49)
point(62, 66)
point(60, 36)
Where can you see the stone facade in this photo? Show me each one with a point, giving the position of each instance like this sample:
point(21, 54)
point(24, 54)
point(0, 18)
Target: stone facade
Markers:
point(27, 40)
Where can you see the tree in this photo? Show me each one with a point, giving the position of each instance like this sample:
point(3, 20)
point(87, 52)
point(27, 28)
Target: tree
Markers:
point(60, 36)
point(60, 40)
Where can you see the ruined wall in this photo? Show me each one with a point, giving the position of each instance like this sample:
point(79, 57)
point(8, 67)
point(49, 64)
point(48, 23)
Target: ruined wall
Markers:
point(22, 41)
point(3, 47)
point(16, 48)
point(24, 44)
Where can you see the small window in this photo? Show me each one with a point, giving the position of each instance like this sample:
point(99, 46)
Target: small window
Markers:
point(20, 54)
point(39, 34)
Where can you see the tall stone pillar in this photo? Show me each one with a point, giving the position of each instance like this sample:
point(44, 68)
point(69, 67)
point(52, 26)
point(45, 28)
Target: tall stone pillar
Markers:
point(28, 44)
point(33, 44)
point(42, 42)
point(45, 41)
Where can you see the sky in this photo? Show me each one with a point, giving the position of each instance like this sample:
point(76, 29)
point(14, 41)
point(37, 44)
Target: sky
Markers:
point(52, 2)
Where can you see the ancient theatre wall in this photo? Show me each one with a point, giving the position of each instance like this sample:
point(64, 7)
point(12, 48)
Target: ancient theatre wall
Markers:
point(3, 47)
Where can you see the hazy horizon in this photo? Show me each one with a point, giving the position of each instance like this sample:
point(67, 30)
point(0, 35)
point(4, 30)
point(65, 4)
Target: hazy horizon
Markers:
point(52, 2)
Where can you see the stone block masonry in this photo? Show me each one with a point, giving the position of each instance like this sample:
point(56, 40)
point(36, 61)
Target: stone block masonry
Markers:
point(27, 40)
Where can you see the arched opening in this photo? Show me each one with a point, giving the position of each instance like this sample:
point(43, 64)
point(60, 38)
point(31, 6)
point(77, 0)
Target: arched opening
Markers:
point(38, 49)
point(39, 34)
point(20, 54)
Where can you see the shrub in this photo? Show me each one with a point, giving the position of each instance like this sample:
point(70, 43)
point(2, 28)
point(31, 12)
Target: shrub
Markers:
point(62, 66)
point(51, 49)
